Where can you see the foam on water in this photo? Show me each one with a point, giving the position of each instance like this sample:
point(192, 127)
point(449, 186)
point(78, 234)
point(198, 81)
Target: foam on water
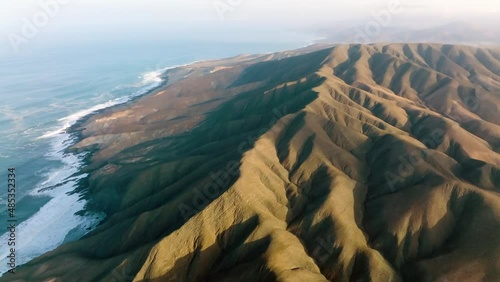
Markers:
point(48, 228)
point(149, 81)
point(71, 119)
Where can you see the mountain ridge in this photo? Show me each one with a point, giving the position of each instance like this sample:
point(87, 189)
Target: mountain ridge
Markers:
point(349, 163)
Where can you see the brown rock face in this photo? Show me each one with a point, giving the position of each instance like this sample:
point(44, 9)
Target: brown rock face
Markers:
point(350, 163)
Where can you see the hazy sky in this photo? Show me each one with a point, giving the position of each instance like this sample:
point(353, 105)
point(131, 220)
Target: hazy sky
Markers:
point(286, 11)
point(218, 18)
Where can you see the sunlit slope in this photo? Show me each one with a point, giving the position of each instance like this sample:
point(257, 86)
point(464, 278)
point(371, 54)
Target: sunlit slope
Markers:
point(351, 163)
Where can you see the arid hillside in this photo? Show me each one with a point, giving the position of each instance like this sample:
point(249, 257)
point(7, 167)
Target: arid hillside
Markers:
point(341, 163)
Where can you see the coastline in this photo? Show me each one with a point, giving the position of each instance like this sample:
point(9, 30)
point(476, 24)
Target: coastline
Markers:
point(62, 188)
point(168, 76)
point(74, 133)
point(67, 133)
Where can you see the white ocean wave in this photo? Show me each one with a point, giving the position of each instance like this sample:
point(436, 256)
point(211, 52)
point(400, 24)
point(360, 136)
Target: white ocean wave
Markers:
point(149, 81)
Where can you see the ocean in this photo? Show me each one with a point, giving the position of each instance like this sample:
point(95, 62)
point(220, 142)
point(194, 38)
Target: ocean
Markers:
point(43, 92)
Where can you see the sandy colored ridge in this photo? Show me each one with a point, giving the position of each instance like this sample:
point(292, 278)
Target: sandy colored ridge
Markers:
point(347, 163)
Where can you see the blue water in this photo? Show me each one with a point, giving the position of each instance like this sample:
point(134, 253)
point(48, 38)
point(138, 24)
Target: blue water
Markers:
point(44, 91)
